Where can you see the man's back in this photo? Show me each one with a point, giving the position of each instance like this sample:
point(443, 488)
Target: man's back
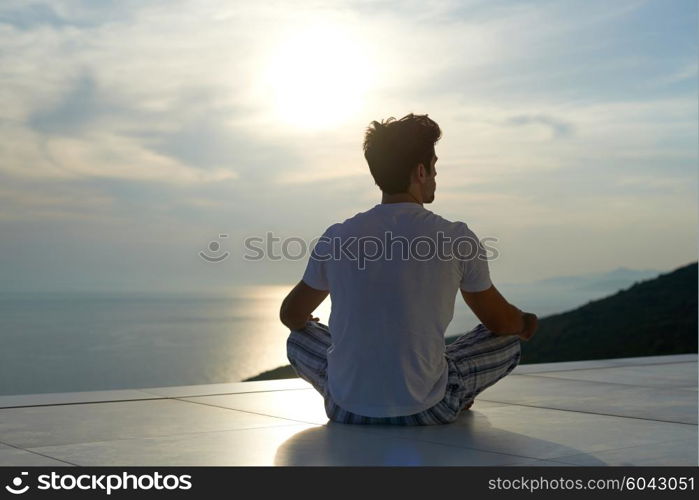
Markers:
point(393, 278)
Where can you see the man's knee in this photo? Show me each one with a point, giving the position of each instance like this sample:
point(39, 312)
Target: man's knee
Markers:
point(305, 352)
point(292, 343)
point(293, 335)
point(515, 351)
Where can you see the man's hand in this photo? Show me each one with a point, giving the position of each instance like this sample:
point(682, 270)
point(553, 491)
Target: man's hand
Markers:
point(312, 318)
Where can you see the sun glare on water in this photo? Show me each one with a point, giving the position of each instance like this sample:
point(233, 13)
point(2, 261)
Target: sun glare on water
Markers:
point(317, 77)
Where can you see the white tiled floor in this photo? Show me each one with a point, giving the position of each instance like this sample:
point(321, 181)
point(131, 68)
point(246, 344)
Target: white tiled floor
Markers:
point(231, 388)
point(632, 411)
point(302, 444)
point(543, 433)
point(304, 405)
point(671, 375)
point(66, 424)
point(666, 404)
point(61, 398)
point(20, 457)
point(642, 455)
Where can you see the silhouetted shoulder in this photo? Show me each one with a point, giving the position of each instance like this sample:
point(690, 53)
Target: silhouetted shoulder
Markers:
point(354, 223)
point(332, 229)
point(456, 227)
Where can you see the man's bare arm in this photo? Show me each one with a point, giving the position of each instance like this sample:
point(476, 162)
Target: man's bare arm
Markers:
point(298, 305)
point(498, 315)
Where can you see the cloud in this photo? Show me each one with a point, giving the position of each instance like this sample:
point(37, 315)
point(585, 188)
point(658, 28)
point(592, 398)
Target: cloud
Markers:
point(27, 15)
point(198, 132)
point(687, 71)
point(559, 128)
point(150, 113)
point(75, 112)
point(31, 16)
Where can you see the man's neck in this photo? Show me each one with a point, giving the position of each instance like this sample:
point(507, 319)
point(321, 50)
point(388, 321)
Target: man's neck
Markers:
point(400, 198)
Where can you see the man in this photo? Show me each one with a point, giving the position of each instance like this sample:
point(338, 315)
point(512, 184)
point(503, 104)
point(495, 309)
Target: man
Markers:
point(393, 273)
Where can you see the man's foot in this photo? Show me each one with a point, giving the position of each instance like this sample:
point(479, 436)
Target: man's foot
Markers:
point(530, 325)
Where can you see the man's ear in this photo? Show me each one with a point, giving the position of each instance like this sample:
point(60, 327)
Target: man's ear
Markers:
point(421, 173)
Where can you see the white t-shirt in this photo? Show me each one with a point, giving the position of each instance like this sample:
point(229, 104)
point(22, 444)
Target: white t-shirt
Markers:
point(392, 295)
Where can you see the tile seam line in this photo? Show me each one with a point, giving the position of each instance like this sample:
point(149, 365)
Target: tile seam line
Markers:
point(82, 403)
point(154, 397)
point(624, 448)
point(590, 412)
point(231, 393)
point(43, 405)
point(148, 437)
point(685, 387)
point(620, 365)
point(482, 399)
point(248, 411)
point(561, 464)
point(37, 453)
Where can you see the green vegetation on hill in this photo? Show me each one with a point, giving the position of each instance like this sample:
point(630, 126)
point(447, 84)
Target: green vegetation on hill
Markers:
point(651, 318)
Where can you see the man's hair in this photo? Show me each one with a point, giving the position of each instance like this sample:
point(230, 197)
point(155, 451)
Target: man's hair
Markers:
point(394, 148)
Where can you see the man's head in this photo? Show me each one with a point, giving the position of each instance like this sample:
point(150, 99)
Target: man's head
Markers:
point(401, 154)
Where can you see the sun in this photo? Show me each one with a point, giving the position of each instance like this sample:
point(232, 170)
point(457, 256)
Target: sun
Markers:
point(317, 77)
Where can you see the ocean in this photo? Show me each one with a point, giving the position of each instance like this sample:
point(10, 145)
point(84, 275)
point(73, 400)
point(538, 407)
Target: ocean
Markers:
point(69, 341)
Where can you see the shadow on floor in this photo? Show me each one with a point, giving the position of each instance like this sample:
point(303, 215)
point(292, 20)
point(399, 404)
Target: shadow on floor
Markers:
point(470, 441)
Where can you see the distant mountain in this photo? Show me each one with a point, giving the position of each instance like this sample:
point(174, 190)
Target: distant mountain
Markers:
point(616, 279)
point(653, 317)
point(619, 278)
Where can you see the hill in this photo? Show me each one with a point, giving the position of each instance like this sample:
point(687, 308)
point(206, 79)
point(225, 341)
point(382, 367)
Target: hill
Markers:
point(650, 318)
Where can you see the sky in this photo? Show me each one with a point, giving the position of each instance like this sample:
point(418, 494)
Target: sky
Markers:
point(135, 133)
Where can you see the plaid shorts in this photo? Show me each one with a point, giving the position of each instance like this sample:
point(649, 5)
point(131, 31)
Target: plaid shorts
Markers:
point(476, 360)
